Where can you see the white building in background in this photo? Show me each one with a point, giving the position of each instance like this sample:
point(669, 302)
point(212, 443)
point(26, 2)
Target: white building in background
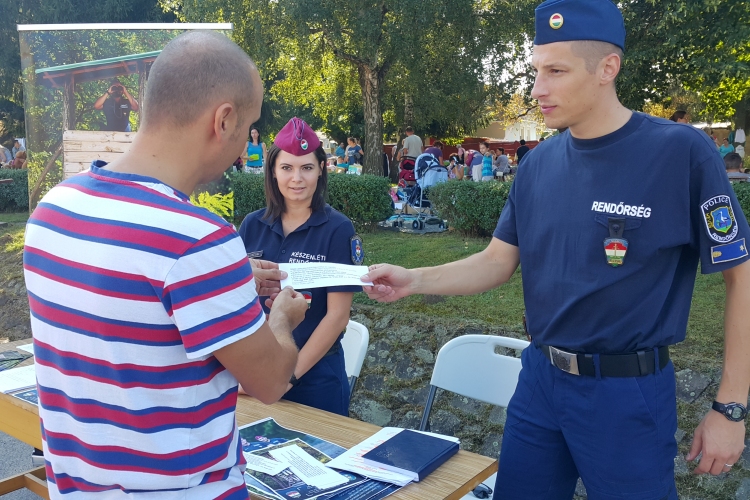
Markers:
point(525, 129)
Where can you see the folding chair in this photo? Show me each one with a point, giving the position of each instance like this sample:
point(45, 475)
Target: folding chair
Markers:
point(469, 366)
point(355, 342)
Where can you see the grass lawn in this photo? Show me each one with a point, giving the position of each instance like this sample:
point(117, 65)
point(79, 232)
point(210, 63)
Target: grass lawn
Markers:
point(504, 306)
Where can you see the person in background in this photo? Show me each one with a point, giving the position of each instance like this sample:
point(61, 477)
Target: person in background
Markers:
point(340, 150)
point(436, 150)
point(298, 226)
point(6, 156)
point(412, 146)
point(484, 150)
point(19, 161)
point(733, 164)
point(353, 152)
point(725, 148)
point(500, 164)
point(17, 147)
point(680, 116)
point(255, 152)
point(521, 151)
point(117, 103)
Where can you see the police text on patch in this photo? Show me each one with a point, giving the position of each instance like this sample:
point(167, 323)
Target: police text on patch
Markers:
point(622, 209)
point(719, 218)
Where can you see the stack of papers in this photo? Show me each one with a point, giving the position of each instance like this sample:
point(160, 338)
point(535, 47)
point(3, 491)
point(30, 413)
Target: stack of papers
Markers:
point(17, 379)
point(10, 359)
point(351, 460)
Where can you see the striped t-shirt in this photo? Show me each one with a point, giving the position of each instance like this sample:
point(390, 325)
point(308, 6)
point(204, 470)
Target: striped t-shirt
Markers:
point(131, 290)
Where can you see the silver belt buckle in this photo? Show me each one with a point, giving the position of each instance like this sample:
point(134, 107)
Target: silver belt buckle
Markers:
point(566, 361)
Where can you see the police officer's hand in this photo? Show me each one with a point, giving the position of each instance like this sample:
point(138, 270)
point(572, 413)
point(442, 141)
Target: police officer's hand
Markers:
point(288, 307)
point(720, 441)
point(267, 277)
point(390, 282)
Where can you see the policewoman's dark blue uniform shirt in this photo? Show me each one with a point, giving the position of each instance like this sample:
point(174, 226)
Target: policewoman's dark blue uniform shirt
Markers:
point(325, 237)
point(678, 209)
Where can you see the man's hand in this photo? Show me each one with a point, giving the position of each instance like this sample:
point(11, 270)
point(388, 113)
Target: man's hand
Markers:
point(288, 309)
point(267, 277)
point(721, 442)
point(390, 283)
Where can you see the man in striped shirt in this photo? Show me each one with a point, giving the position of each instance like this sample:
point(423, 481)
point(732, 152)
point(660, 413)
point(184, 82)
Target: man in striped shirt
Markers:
point(144, 309)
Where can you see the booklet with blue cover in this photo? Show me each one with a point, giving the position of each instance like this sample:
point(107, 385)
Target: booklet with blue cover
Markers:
point(411, 453)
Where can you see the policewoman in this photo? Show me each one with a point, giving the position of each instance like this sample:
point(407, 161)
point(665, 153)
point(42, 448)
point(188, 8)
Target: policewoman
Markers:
point(609, 264)
point(298, 226)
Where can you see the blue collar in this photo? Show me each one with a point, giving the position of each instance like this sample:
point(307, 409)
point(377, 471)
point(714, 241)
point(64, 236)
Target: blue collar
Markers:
point(317, 218)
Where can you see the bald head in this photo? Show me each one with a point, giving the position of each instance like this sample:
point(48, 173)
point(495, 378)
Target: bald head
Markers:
point(195, 72)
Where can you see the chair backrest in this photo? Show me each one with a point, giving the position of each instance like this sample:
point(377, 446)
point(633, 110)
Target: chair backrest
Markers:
point(355, 342)
point(469, 366)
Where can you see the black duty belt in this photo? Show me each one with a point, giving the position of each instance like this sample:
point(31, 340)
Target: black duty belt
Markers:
point(634, 364)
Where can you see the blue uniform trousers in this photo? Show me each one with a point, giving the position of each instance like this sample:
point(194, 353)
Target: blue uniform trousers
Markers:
point(617, 434)
point(325, 386)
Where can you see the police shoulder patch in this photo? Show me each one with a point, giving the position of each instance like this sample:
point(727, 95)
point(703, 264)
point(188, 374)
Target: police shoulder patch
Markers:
point(358, 253)
point(719, 218)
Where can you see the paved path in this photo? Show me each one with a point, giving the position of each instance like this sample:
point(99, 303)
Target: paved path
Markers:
point(15, 458)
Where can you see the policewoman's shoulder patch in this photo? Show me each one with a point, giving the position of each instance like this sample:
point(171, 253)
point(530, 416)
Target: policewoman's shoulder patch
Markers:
point(719, 218)
point(358, 253)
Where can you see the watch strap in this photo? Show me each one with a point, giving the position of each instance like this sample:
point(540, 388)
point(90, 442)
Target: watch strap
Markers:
point(294, 381)
point(728, 409)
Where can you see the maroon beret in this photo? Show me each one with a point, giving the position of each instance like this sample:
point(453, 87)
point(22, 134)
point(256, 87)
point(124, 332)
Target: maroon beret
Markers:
point(297, 138)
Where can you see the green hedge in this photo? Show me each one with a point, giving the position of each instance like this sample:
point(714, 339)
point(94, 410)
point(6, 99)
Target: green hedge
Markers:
point(362, 198)
point(470, 207)
point(742, 190)
point(474, 207)
point(14, 197)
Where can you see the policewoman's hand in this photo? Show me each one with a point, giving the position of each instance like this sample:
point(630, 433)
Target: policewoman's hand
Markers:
point(720, 441)
point(390, 282)
point(267, 277)
point(288, 306)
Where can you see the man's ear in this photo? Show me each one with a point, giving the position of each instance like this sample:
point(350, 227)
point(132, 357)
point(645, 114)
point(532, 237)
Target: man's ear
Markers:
point(225, 121)
point(610, 67)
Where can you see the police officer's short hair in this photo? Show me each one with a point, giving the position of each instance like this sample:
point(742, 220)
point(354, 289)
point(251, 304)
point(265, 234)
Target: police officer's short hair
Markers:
point(275, 205)
point(593, 51)
point(733, 161)
point(196, 70)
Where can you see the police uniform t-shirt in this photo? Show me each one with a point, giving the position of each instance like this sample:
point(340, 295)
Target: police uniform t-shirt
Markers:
point(117, 114)
point(327, 236)
point(610, 233)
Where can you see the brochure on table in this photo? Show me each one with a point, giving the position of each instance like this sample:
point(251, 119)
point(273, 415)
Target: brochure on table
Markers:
point(16, 379)
point(267, 446)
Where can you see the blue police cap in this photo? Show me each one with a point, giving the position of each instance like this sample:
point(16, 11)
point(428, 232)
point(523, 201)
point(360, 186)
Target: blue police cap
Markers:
point(566, 20)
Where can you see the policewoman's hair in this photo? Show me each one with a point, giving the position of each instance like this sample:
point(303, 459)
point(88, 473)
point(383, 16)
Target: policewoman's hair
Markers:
point(275, 205)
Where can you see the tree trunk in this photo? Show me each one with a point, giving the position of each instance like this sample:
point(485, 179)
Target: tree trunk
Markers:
point(408, 110)
point(369, 81)
point(742, 114)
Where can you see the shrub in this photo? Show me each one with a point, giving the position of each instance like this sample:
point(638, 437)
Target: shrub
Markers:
point(14, 197)
point(365, 199)
point(472, 208)
point(362, 198)
point(742, 190)
point(249, 194)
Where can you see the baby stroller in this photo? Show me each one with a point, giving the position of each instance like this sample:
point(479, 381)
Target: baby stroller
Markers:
point(427, 172)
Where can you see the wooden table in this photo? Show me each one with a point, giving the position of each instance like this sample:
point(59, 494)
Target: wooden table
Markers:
point(451, 481)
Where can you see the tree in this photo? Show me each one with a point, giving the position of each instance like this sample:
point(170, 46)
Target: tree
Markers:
point(702, 45)
point(412, 61)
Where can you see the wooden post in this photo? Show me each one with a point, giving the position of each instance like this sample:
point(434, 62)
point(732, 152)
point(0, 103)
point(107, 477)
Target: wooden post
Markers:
point(69, 104)
point(141, 91)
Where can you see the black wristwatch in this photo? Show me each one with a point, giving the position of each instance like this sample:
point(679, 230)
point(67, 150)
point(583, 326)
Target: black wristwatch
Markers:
point(735, 412)
point(293, 380)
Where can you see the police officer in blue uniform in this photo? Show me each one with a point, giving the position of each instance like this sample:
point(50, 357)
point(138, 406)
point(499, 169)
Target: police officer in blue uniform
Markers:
point(298, 226)
point(609, 265)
